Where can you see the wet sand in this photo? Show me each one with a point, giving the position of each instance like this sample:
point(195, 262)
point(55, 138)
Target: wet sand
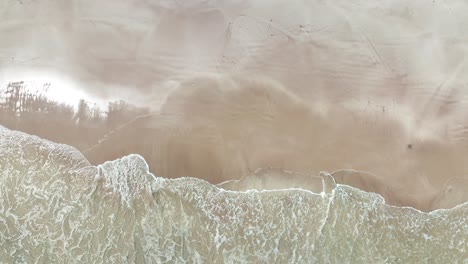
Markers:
point(221, 128)
point(235, 87)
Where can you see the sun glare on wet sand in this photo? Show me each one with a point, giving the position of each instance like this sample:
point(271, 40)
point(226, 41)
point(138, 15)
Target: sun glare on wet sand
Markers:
point(57, 88)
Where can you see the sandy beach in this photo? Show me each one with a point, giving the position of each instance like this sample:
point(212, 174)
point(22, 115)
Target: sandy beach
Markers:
point(235, 87)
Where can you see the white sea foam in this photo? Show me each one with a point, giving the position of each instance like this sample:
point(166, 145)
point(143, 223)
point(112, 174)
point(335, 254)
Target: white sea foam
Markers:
point(55, 207)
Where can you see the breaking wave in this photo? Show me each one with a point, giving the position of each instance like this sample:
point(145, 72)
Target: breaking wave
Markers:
point(56, 207)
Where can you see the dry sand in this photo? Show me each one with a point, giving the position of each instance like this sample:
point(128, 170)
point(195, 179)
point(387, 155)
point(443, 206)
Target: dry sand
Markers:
point(237, 86)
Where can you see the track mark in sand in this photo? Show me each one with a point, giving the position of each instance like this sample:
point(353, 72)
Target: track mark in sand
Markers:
point(115, 130)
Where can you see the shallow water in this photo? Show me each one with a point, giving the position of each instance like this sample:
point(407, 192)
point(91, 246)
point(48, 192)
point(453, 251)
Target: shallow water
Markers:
point(56, 207)
point(252, 99)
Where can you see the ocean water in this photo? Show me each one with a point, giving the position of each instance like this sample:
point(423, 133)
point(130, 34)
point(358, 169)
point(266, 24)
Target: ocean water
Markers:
point(240, 85)
point(55, 207)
